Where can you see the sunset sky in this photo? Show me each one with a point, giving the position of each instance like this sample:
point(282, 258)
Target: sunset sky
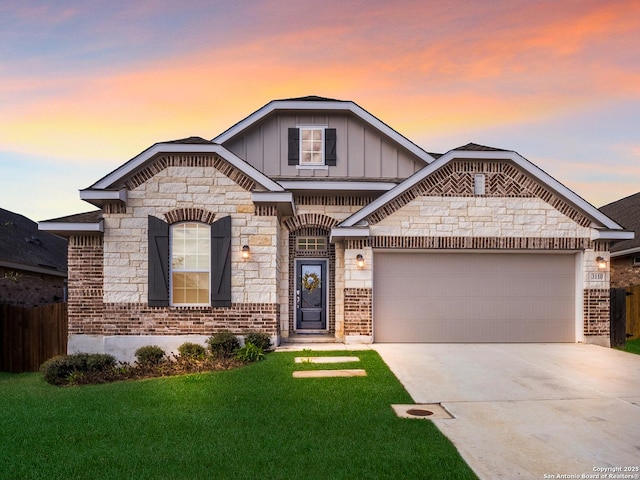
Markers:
point(86, 85)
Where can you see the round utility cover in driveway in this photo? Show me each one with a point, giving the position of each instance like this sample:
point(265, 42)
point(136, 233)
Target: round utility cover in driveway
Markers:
point(474, 297)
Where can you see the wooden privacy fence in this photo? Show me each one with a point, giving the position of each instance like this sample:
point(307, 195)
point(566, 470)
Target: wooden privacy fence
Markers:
point(633, 311)
point(29, 336)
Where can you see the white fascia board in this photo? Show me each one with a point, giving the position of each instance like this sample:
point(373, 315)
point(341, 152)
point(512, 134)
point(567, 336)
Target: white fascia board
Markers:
point(516, 158)
point(336, 233)
point(622, 253)
point(272, 197)
point(94, 227)
point(345, 106)
point(136, 162)
point(94, 195)
point(611, 235)
point(336, 185)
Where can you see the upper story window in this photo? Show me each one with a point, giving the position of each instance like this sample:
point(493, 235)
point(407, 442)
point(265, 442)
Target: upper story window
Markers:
point(190, 264)
point(312, 146)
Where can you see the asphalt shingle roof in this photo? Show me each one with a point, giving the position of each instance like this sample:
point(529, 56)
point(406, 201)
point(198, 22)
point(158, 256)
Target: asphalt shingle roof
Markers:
point(626, 212)
point(22, 243)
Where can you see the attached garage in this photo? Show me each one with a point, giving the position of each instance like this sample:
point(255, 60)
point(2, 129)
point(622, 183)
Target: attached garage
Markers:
point(474, 297)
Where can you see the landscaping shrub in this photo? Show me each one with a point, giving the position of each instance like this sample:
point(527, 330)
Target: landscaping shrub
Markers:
point(150, 355)
point(259, 339)
point(65, 369)
point(250, 353)
point(192, 351)
point(223, 344)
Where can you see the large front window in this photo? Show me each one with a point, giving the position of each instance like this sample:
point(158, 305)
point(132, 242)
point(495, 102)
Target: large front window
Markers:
point(311, 146)
point(190, 264)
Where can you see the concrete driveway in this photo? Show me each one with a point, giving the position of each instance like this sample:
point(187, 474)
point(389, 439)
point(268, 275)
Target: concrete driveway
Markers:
point(530, 410)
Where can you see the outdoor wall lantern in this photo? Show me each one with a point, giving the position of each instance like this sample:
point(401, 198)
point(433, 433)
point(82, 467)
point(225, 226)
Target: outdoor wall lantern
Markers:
point(602, 263)
point(360, 261)
point(246, 251)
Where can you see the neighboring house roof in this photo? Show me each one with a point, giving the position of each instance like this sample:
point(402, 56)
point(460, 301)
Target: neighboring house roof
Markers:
point(23, 247)
point(625, 211)
point(610, 230)
point(314, 103)
point(87, 222)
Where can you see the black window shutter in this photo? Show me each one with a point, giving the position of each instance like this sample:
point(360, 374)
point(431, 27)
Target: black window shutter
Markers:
point(221, 262)
point(330, 147)
point(158, 255)
point(294, 146)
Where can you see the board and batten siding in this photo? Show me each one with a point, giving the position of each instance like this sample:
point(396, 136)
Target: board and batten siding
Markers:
point(362, 152)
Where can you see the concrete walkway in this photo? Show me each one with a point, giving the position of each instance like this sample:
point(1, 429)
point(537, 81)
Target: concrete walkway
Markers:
point(530, 411)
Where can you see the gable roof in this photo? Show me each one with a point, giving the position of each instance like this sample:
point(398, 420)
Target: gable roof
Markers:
point(23, 247)
point(608, 229)
point(315, 103)
point(110, 187)
point(625, 211)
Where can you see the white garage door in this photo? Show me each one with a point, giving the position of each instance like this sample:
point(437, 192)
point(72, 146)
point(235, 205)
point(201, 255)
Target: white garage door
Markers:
point(474, 297)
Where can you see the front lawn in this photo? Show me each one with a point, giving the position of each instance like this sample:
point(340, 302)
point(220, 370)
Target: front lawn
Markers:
point(253, 422)
point(632, 346)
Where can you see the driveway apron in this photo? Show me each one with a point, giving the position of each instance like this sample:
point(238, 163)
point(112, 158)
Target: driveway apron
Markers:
point(530, 410)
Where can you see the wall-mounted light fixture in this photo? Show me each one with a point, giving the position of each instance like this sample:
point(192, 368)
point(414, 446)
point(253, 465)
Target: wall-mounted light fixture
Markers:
point(360, 261)
point(246, 252)
point(602, 263)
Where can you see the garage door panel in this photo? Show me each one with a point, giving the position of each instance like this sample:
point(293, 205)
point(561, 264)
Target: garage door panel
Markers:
point(456, 297)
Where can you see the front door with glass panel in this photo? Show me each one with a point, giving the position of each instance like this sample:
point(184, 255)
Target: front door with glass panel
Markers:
point(311, 295)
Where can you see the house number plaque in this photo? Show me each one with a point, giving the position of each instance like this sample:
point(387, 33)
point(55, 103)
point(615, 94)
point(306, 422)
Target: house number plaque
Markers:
point(596, 275)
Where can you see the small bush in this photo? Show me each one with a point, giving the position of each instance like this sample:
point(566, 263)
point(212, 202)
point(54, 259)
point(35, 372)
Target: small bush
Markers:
point(223, 344)
point(259, 339)
point(64, 369)
point(192, 351)
point(250, 353)
point(150, 355)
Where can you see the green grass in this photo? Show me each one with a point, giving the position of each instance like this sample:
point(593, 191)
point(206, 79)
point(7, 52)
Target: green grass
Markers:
point(632, 346)
point(249, 423)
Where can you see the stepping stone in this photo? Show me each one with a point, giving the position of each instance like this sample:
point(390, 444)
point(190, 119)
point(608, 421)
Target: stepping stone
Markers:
point(326, 359)
point(330, 373)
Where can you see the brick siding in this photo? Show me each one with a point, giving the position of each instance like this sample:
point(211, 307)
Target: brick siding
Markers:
point(623, 273)
point(596, 311)
point(21, 288)
point(358, 311)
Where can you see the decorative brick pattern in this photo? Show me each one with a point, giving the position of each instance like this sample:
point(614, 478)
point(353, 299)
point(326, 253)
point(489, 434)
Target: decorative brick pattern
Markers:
point(356, 244)
point(193, 214)
point(358, 311)
point(266, 211)
point(85, 260)
point(140, 319)
point(310, 220)
point(203, 160)
point(456, 180)
point(334, 200)
point(485, 243)
point(596, 311)
point(114, 208)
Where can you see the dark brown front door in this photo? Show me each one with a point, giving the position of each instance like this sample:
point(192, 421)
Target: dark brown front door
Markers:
point(311, 295)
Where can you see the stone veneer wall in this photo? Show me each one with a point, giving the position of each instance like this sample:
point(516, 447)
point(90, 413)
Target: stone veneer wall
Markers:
point(108, 274)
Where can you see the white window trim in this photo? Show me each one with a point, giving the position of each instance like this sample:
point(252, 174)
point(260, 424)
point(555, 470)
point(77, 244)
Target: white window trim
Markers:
point(171, 270)
point(315, 165)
